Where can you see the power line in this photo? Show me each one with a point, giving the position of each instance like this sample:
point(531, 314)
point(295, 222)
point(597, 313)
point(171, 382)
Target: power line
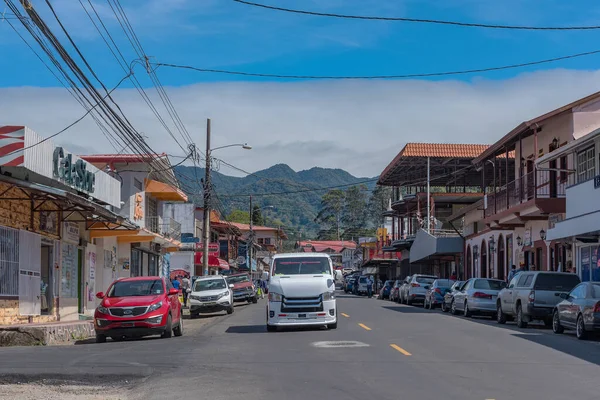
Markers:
point(421, 20)
point(303, 191)
point(399, 76)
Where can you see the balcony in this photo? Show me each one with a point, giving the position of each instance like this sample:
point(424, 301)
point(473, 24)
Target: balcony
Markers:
point(528, 188)
point(166, 227)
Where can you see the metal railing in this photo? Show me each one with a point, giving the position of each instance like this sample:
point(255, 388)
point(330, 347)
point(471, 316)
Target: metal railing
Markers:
point(167, 227)
point(533, 185)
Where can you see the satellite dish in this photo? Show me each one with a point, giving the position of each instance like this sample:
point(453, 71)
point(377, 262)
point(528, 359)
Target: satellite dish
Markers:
point(241, 260)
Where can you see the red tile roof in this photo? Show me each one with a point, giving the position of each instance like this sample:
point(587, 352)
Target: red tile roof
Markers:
point(442, 150)
point(323, 245)
point(258, 228)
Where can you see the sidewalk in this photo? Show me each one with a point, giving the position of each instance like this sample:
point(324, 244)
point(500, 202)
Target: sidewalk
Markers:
point(45, 334)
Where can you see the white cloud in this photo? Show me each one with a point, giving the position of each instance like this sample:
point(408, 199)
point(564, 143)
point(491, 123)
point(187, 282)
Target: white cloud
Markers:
point(355, 125)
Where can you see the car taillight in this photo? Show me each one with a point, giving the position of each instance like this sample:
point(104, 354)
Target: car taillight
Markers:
point(437, 290)
point(532, 296)
point(482, 295)
point(597, 307)
point(415, 285)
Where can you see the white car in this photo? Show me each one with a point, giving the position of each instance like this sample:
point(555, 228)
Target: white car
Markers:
point(211, 294)
point(301, 291)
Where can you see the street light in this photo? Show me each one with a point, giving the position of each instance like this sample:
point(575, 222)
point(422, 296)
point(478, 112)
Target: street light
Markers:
point(207, 189)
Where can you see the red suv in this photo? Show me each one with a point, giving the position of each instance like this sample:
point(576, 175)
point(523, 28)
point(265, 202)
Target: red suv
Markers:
point(136, 307)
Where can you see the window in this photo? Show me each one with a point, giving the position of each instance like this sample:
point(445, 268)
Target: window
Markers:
point(136, 288)
point(301, 266)
point(556, 282)
point(261, 241)
point(595, 291)
point(522, 279)
point(202, 285)
point(9, 262)
point(489, 284)
point(528, 281)
point(578, 292)
point(586, 164)
point(137, 184)
point(267, 240)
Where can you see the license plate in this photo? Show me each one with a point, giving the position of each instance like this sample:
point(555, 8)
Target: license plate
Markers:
point(301, 315)
point(209, 304)
point(128, 324)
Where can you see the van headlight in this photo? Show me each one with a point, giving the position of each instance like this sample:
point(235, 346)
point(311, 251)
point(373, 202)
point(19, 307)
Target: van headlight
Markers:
point(274, 296)
point(328, 296)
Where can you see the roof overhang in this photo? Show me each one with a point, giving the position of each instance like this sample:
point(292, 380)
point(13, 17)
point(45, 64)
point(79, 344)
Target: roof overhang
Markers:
point(164, 192)
point(569, 148)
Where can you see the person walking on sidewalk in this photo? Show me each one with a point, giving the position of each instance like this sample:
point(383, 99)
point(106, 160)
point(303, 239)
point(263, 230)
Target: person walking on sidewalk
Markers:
point(185, 289)
point(369, 287)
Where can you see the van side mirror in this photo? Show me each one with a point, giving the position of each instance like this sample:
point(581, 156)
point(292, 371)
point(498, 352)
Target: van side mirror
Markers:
point(100, 295)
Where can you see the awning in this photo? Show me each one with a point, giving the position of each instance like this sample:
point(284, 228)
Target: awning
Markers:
point(427, 245)
point(583, 225)
point(213, 261)
point(165, 192)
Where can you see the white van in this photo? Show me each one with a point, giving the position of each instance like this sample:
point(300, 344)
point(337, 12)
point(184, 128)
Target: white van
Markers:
point(301, 291)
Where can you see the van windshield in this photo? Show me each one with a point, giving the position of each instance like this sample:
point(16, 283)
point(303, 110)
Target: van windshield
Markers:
point(301, 266)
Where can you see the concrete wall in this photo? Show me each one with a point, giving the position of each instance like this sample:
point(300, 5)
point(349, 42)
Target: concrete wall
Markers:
point(586, 118)
point(475, 267)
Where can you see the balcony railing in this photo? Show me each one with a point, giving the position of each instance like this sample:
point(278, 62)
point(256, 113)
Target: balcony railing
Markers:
point(534, 185)
point(166, 227)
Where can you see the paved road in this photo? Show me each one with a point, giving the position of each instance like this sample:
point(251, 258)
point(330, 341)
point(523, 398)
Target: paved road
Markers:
point(407, 353)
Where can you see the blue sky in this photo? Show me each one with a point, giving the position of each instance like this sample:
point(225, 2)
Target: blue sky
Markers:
point(293, 121)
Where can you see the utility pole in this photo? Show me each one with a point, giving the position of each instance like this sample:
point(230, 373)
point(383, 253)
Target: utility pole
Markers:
point(207, 189)
point(251, 241)
point(428, 198)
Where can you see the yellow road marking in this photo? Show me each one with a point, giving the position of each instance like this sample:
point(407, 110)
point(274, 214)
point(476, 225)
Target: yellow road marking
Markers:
point(400, 349)
point(346, 315)
point(364, 327)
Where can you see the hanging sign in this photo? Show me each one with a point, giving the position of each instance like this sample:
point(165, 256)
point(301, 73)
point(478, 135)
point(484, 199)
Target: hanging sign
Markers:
point(70, 232)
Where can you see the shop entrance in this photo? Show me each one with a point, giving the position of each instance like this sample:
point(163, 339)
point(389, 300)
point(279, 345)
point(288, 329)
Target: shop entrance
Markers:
point(47, 279)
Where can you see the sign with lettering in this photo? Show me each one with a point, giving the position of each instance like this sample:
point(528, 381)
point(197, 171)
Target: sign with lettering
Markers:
point(74, 174)
point(70, 232)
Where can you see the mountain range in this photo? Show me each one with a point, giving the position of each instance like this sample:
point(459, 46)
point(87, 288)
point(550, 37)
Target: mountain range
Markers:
point(288, 198)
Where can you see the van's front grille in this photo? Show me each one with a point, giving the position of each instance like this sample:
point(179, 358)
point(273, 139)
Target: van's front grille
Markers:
point(301, 304)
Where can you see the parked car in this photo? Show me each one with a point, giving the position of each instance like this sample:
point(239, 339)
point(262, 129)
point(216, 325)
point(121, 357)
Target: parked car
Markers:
point(211, 294)
point(477, 296)
point(404, 289)
point(415, 288)
point(435, 293)
point(350, 282)
point(578, 310)
point(361, 285)
point(384, 293)
point(395, 291)
point(533, 296)
point(137, 307)
point(449, 296)
point(243, 288)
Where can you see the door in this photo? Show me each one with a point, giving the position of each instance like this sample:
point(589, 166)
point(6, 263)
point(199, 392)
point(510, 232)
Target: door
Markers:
point(484, 260)
point(460, 296)
point(80, 290)
point(568, 309)
point(524, 282)
point(501, 258)
point(30, 258)
point(46, 287)
point(530, 180)
point(553, 179)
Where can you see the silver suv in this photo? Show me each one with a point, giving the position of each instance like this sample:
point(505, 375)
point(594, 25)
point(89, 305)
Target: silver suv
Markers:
point(416, 288)
point(532, 296)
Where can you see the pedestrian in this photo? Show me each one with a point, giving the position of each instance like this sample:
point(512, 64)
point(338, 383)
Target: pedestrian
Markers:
point(512, 273)
point(186, 289)
point(369, 287)
point(263, 287)
point(175, 282)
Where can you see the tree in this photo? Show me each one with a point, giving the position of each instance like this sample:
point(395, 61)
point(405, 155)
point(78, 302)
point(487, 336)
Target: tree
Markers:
point(378, 204)
point(330, 215)
point(257, 218)
point(239, 216)
point(355, 212)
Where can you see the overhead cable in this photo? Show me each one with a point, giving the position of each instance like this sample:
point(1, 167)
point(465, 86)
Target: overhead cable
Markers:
point(421, 20)
point(397, 76)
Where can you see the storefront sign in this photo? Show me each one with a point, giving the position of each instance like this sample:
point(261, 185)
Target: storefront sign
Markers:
point(71, 232)
point(213, 249)
point(74, 174)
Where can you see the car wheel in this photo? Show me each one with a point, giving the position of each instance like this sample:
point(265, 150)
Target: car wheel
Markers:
point(580, 331)
point(230, 310)
point(100, 338)
point(466, 311)
point(254, 300)
point(168, 328)
point(500, 316)
point(117, 338)
point(271, 328)
point(520, 322)
point(453, 308)
point(332, 326)
point(178, 330)
point(556, 326)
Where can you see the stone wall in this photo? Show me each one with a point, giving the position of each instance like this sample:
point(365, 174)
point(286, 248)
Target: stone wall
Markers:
point(9, 314)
